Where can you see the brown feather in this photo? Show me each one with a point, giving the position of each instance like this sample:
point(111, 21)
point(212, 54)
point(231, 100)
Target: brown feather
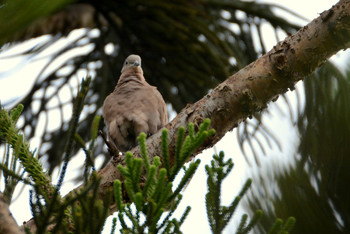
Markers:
point(133, 107)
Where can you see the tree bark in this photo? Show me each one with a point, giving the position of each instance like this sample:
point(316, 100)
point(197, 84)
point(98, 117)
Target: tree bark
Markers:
point(7, 222)
point(253, 87)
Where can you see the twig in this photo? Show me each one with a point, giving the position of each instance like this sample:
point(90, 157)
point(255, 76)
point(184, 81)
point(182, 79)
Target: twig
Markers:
point(112, 149)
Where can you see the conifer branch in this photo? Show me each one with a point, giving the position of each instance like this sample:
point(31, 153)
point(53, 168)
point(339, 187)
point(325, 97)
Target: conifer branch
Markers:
point(78, 107)
point(153, 194)
point(10, 133)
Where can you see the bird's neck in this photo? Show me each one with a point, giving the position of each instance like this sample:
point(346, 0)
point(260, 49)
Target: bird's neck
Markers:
point(132, 73)
point(134, 78)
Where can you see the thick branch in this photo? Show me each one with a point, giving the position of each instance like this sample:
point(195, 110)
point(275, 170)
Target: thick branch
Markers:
point(250, 89)
point(7, 222)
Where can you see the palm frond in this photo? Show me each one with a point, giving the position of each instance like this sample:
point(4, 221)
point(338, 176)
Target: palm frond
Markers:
point(187, 48)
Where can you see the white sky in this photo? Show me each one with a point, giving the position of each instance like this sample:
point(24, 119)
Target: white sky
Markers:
point(195, 192)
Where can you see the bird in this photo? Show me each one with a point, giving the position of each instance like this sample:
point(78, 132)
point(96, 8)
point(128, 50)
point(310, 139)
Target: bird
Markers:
point(133, 107)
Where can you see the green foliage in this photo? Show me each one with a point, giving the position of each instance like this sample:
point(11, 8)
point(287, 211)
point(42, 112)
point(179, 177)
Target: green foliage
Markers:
point(185, 147)
point(9, 166)
point(319, 173)
point(79, 212)
point(218, 215)
point(12, 136)
point(187, 47)
point(183, 23)
point(77, 108)
point(12, 173)
point(279, 228)
point(314, 187)
point(82, 212)
point(244, 227)
point(90, 213)
point(153, 194)
point(89, 151)
point(16, 15)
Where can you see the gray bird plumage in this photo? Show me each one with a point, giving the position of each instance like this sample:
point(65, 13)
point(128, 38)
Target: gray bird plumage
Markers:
point(133, 107)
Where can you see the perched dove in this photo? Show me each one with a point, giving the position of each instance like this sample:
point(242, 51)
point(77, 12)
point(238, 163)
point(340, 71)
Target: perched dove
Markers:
point(133, 107)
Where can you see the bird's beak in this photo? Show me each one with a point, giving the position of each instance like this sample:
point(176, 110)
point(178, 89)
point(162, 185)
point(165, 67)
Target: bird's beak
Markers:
point(136, 64)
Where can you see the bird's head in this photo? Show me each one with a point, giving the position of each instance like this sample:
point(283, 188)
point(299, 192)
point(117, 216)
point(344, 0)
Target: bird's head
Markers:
point(132, 62)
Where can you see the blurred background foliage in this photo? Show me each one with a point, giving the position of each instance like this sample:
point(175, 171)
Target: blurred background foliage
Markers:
point(187, 47)
point(315, 189)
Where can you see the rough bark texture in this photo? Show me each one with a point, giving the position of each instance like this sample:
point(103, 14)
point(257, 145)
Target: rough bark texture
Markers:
point(250, 89)
point(253, 87)
point(7, 222)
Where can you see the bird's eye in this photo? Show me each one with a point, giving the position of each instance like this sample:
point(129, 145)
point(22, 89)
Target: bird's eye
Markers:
point(126, 62)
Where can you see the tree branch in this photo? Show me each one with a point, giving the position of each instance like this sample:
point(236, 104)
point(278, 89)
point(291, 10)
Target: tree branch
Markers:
point(252, 88)
point(7, 222)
